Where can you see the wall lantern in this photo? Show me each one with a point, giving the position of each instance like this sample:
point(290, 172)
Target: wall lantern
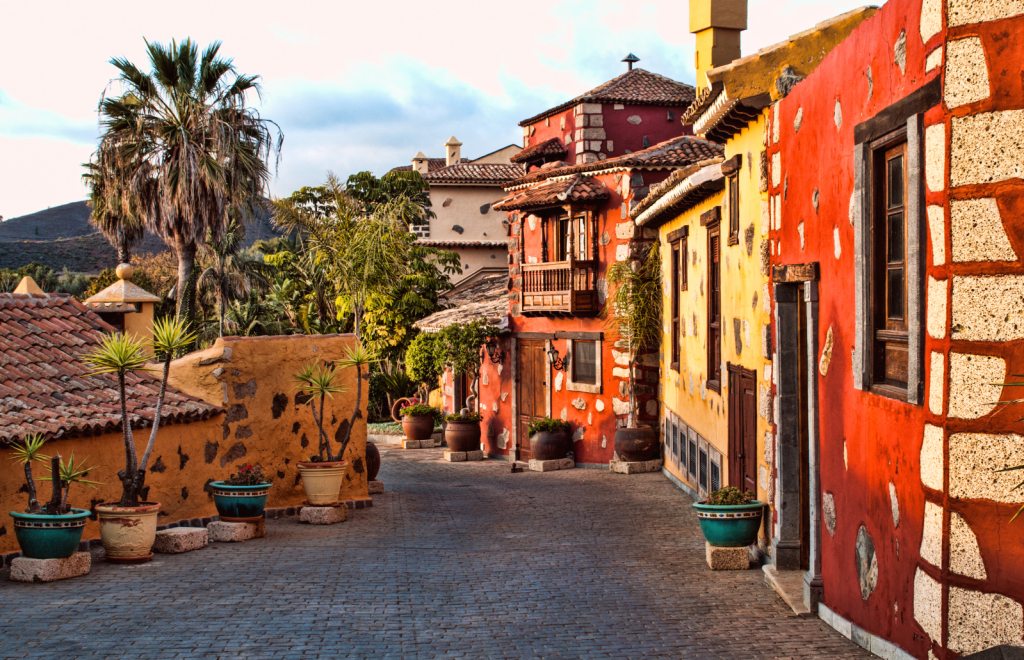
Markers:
point(494, 351)
point(558, 364)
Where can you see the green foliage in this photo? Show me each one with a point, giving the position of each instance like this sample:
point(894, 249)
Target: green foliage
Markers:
point(48, 279)
point(458, 346)
point(171, 338)
point(470, 417)
point(418, 410)
point(249, 475)
point(422, 361)
point(402, 194)
point(548, 425)
point(68, 473)
point(729, 496)
point(26, 452)
point(117, 354)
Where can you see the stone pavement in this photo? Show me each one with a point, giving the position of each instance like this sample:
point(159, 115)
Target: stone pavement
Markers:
point(454, 560)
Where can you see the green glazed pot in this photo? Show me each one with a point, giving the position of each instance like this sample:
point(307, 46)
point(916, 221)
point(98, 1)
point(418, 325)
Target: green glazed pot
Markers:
point(49, 537)
point(730, 526)
point(239, 503)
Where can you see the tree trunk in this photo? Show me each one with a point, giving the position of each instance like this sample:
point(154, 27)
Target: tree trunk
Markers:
point(352, 422)
point(186, 251)
point(156, 423)
point(129, 495)
point(53, 507)
point(33, 503)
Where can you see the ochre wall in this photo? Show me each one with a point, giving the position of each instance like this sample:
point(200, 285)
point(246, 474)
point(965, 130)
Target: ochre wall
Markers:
point(919, 478)
point(252, 379)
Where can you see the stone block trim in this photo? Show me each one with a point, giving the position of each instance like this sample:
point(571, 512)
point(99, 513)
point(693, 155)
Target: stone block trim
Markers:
point(985, 147)
point(966, 73)
point(978, 621)
point(231, 532)
point(977, 231)
point(973, 459)
point(988, 308)
point(928, 605)
point(971, 392)
point(965, 12)
point(726, 559)
point(180, 539)
point(323, 515)
point(635, 467)
point(869, 641)
point(549, 466)
point(24, 569)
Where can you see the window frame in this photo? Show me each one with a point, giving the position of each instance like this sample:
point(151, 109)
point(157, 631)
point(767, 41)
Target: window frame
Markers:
point(713, 329)
point(571, 384)
point(733, 200)
point(677, 241)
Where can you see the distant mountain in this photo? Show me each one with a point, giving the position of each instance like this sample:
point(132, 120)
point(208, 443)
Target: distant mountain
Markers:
point(63, 236)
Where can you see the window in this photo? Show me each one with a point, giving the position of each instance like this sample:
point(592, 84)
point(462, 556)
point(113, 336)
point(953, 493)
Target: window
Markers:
point(711, 219)
point(677, 239)
point(889, 263)
point(572, 237)
point(734, 209)
point(562, 239)
point(584, 362)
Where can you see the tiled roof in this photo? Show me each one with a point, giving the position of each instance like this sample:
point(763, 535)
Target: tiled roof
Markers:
point(495, 173)
point(552, 147)
point(433, 164)
point(45, 388)
point(461, 244)
point(673, 153)
point(574, 189)
point(636, 87)
point(487, 299)
point(682, 190)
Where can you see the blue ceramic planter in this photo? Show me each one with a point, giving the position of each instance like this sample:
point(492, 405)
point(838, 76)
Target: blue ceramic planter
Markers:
point(49, 537)
point(239, 503)
point(730, 526)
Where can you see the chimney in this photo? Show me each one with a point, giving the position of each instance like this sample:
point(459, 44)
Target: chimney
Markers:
point(717, 24)
point(630, 60)
point(420, 164)
point(452, 151)
point(126, 306)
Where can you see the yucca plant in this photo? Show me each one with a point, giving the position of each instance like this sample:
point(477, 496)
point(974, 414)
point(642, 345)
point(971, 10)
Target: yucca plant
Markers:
point(119, 354)
point(62, 475)
point(28, 451)
point(316, 381)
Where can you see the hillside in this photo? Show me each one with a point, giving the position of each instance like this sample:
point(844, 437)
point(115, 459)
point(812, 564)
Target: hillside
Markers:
point(62, 236)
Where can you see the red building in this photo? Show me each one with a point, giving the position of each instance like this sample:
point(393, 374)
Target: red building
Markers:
point(898, 300)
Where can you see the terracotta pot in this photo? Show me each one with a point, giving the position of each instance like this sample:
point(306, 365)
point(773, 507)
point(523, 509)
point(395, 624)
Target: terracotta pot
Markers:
point(372, 461)
point(420, 427)
point(549, 446)
point(462, 436)
point(322, 481)
point(128, 532)
point(636, 445)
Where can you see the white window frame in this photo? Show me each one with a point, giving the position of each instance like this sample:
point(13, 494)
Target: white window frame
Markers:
point(573, 386)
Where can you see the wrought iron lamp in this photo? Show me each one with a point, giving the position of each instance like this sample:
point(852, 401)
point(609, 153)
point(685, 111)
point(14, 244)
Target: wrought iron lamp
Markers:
point(557, 363)
point(494, 351)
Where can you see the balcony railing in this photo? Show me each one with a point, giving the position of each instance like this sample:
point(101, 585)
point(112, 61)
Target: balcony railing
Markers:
point(558, 288)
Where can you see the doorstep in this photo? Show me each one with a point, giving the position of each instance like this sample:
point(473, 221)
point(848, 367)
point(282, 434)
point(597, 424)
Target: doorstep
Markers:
point(789, 585)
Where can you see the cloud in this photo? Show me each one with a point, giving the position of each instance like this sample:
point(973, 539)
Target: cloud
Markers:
point(20, 120)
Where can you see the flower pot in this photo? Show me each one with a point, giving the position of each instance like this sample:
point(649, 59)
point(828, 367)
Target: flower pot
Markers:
point(730, 526)
point(322, 481)
point(420, 427)
point(372, 461)
point(128, 532)
point(462, 436)
point(240, 503)
point(549, 446)
point(49, 537)
point(636, 445)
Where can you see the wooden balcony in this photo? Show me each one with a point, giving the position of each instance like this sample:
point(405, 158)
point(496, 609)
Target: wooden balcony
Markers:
point(560, 288)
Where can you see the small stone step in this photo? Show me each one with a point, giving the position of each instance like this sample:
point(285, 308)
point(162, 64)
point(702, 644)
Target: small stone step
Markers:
point(429, 443)
point(24, 569)
point(323, 515)
point(548, 466)
point(634, 467)
point(235, 532)
point(375, 487)
point(180, 539)
point(726, 559)
point(410, 444)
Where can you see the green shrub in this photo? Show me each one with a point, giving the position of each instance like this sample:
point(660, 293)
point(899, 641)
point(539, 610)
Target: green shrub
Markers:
point(419, 410)
point(471, 417)
point(548, 425)
point(729, 496)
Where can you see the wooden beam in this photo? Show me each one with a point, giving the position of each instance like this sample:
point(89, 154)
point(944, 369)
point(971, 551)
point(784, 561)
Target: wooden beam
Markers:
point(711, 217)
point(678, 234)
point(581, 336)
point(792, 273)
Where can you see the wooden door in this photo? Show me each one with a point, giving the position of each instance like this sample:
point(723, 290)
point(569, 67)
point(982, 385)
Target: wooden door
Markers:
point(742, 429)
point(531, 372)
point(805, 435)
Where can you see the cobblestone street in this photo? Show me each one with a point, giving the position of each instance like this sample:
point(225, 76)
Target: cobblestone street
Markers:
point(459, 560)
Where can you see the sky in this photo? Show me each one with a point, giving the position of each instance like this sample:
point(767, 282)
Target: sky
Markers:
point(353, 85)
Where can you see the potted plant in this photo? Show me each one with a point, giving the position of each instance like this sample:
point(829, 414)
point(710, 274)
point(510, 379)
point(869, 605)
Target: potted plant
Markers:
point(459, 349)
point(323, 474)
point(730, 518)
point(549, 439)
point(462, 432)
point(128, 528)
point(243, 496)
point(634, 313)
point(52, 531)
point(417, 421)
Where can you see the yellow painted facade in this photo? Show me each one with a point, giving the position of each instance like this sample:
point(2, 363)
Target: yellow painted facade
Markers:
point(744, 314)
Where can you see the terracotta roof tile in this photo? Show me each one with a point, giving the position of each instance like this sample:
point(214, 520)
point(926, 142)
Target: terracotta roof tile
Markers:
point(677, 152)
point(555, 193)
point(636, 87)
point(45, 388)
point(495, 173)
point(433, 164)
point(552, 147)
point(460, 244)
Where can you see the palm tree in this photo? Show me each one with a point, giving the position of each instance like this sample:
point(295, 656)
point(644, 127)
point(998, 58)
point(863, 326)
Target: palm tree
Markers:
point(191, 149)
point(232, 272)
point(114, 210)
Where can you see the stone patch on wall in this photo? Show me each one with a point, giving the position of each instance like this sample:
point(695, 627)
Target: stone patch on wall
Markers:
point(964, 554)
point(965, 12)
point(937, 372)
point(937, 229)
point(776, 168)
point(966, 73)
point(579, 404)
point(932, 457)
point(894, 502)
point(931, 19)
point(935, 157)
point(936, 315)
point(933, 60)
point(899, 52)
point(978, 621)
point(928, 604)
point(931, 537)
point(828, 512)
point(837, 245)
point(559, 377)
point(986, 147)
point(977, 231)
point(973, 461)
point(837, 115)
point(971, 392)
point(988, 308)
point(826, 353)
point(867, 563)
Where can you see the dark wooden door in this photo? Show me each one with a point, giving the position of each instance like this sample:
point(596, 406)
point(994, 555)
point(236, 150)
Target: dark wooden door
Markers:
point(531, 372)
point(805, 435)
point(742, 428)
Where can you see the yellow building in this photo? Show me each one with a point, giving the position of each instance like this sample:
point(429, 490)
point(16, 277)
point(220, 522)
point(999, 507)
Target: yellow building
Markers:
point(713, 220)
